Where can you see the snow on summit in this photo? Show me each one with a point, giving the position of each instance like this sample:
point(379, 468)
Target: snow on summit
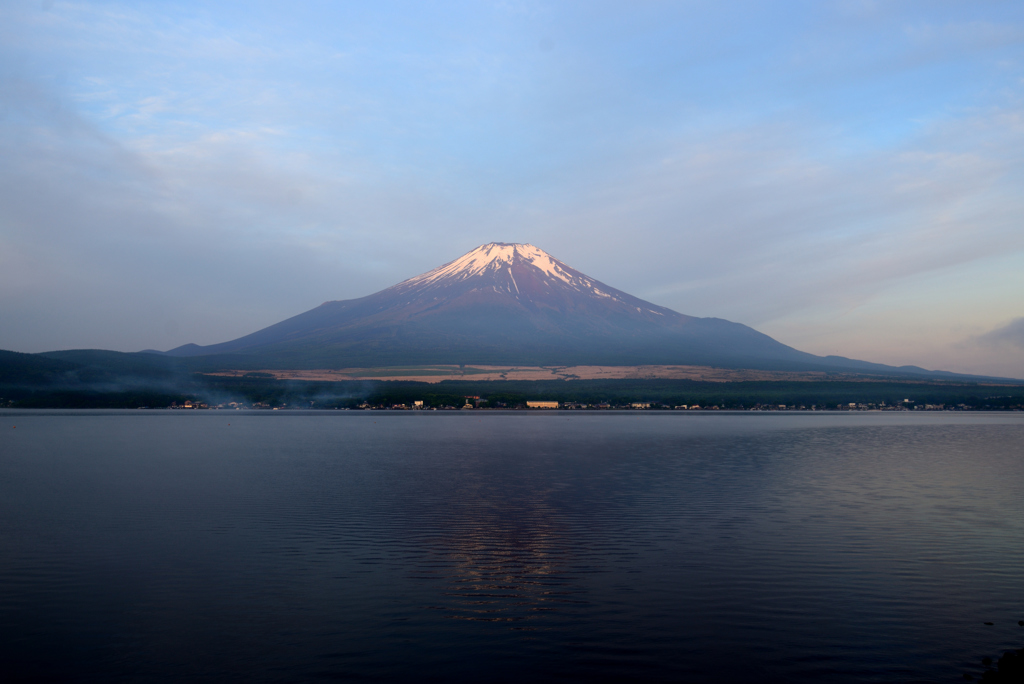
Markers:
point(492, 257)
point(506, 260)
point(504, 273)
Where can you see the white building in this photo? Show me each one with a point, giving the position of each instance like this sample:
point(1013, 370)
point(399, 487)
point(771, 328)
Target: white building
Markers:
point(542, 404)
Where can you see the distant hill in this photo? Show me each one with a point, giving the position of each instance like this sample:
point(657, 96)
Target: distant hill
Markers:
point(32, 369)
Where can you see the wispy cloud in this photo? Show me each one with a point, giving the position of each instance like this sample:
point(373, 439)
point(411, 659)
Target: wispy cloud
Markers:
point(1011, 334)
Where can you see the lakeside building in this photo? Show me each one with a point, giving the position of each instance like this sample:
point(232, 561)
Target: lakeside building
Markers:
point(542, 404)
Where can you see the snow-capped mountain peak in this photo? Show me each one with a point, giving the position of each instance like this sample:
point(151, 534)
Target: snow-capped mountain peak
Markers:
point(504, 303)
point(494, 256)
point(510, 267)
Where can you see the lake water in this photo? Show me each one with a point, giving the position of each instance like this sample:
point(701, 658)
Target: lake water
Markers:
point(170, 546)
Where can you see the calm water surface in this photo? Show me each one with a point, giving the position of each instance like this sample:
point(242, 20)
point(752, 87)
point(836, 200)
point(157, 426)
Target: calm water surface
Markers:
point(160, 546)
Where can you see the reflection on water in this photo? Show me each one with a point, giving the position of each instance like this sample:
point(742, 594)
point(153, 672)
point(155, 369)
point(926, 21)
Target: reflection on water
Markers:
point(497, 549)
point(496, 572)
point(143, 546)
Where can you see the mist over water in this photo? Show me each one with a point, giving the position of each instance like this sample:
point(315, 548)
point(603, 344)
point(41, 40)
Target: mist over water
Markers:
point(165, 546)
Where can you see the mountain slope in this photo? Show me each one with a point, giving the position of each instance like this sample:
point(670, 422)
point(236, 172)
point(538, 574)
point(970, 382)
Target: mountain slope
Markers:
point(510, 304)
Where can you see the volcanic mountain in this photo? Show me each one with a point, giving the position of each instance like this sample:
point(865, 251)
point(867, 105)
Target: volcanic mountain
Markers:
point(510, 304)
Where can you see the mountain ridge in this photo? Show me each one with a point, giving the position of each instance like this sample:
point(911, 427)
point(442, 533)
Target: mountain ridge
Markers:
point(513, 303)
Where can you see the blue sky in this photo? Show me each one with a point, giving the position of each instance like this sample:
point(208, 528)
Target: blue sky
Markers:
point(844, 176)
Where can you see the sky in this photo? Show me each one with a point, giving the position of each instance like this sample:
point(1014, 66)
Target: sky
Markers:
point(846, 176)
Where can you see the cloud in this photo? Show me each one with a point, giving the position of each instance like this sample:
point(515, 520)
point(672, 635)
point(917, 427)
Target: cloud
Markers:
point(1011, 334)
point(104, 243)
point(756, 223)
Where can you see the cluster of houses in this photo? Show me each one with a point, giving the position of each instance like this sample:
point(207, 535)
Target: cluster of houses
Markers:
point(472, 402)
point(633, 405)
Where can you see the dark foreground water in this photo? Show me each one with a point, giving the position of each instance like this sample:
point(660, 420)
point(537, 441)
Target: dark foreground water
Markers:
point(160, 546)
